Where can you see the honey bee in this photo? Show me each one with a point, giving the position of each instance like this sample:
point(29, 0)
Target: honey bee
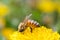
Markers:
point(28, 23)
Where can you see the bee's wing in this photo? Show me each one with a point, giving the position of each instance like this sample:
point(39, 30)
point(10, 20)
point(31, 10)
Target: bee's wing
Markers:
point(27, 18)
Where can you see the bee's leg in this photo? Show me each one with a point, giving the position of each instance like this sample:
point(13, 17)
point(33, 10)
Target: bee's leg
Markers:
point(31, 29)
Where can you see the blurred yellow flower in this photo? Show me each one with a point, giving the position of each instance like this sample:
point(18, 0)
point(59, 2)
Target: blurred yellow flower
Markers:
point(2, 22)
point(3, 9)
point(41, 33)
point(46, 6)
point(7, 31)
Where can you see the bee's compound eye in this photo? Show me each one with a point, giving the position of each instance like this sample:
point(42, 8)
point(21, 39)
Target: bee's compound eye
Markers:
point(20, 25)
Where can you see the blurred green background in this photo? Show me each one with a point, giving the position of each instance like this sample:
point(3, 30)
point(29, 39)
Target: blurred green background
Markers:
point(46, 12)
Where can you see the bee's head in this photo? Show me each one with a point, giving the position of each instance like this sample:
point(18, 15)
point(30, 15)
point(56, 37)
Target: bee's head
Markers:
point(21, 27)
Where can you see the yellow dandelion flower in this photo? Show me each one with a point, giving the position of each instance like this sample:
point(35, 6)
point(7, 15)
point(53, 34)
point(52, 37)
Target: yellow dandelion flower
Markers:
point(45, 34)
point(3, 9)
point(18, 36)
point(41, 33)
point(46, 6)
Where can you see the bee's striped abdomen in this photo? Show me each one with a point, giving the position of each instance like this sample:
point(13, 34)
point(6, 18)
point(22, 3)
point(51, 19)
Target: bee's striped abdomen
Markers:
point(32, 24)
